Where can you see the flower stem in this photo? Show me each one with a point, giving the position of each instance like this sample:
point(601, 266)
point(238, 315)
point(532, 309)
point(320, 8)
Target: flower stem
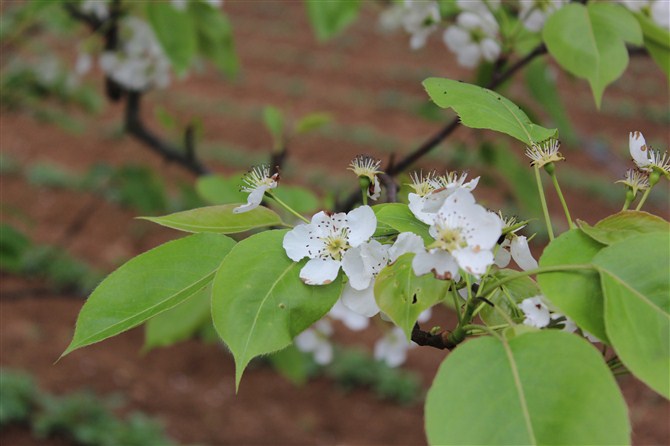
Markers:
point(541, 270)
point(554, 179)
point(643, 199)
point(286, 206)
point(543, 200)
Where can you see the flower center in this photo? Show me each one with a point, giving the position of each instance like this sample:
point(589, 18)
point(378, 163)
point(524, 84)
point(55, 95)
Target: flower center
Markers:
point(336, 244)
point(450, 239)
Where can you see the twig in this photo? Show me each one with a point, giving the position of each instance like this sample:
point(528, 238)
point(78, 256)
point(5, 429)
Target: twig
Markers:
point(432, 142)
point(135, 127)
point(424, 338)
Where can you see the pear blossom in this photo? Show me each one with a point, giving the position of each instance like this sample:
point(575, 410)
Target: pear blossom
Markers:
point(392, 347)
point(256, 182)
point(534, 13)
point(544, 153)
point(465, 234)
point(635, 180)
point(431, 190)
point(139, 63)
point(473, 36)
point(329, 241)
point(536, 311)
point(420, 19)
point(365, 166)
point(315, 340)
point(515, 248)
point(353, 320)
point(645, 158)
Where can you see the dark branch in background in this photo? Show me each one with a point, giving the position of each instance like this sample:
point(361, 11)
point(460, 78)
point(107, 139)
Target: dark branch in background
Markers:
point(278, 157)
point(135, 127)
point(431, 143)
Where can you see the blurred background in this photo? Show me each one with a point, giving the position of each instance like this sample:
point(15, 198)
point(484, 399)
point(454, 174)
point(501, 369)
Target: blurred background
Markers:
point(73, 182)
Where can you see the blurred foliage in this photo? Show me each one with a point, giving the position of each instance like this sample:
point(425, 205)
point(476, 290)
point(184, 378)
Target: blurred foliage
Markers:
point(80, 417)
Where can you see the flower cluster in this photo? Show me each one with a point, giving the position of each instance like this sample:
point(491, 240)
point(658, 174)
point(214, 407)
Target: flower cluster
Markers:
point(474, 36)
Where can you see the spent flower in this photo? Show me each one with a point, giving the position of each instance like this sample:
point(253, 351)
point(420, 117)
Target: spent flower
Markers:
point(635, 180)
point(256, 182)
point(544, 153)
point(646, 158)
point(366, 167)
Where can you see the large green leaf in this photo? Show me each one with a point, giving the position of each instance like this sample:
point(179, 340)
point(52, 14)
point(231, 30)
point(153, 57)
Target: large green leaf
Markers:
point(576, 293)
point(623, 225)
point(149, 284)
point(656, 41)
point(175, 31)
point(481, 108)
point(399, 217)
point(403, 296)
point(179, 323)
point(545, 387)
point(590, 41)
point(217, 189)
point(506, 298)
point(328, 18)
point(300, 199)
point(215, 37)
point(635, 276)
point(220, 219)
point(259, 303)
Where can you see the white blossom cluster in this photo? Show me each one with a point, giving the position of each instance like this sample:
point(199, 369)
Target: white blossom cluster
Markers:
point(474, 34)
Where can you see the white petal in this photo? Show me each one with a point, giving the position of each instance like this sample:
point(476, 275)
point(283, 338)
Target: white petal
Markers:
point(376, 189)
point(354, 267)
point(474, 262)
point(360, 301)
point(406, 242)
point(416, 205)
point(638, 149)
point(425, 315)
point(353, 320)
point(253, 200)
point(490, 49)
point(537, 313)
point(521, 253)
point(325, 223)
point(441, 263)
point(320, 271)
point(323, 354)
point(362, 223)
point(298, 244)
point(469, 55)
point(455, 37)
point(307, 340)
point(660, 13)
point(502, 256)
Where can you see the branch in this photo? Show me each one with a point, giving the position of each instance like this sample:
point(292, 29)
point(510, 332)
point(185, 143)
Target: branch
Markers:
point(440, 341)
point(136, 128)
point(432, 142)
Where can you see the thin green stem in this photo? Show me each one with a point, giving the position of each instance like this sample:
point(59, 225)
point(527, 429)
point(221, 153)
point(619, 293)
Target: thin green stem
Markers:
point(483, 328)
point(543, 200)
point(626, 204)
point(643, 199)
point(457, 302)
point(543, 269)
point(286, 206)
point(554, 179)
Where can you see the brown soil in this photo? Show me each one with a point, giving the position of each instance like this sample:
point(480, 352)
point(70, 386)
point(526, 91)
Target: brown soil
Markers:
point(191, 385)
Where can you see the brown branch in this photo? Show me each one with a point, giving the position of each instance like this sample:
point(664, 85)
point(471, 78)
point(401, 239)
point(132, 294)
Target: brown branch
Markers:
point(440, 340)
point(135, 127)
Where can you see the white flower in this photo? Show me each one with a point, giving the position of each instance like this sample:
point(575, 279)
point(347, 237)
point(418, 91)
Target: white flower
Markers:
point(139, 63)
point(465, 234)
point(98, 8)
point(473, 36)
point(353, 320)
point(367, 167)
point(544, 153)
point(328, 241)
point(83, 64)
point(405, 243)
point(536, 311)
point(420, 20)
point(647, 159)
point(392, 348)
point(392, 17)
point(518, 250)
point(431, 190)
point(315, 340)
point(256, 182)
point(534, 13)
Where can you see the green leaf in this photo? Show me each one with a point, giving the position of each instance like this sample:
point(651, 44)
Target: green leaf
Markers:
point(302, 200)
point(481, 108)
point(517, 175)
point(623, 225)
point(215, 37)
point(331, 17)
point(403, 296)
point(14, 245)
point(179, 323)
point(259, 303)
point(293, 364)
point(590, 42)
point(660, 54)
point(274, 121)
point(576, 293)
point(175, 31)
point(383, 229)
point(312, 122)
point(399, 217)
point(147, 285)
point(507, 297)
point(636, 286)
point(219, 219)
point(216, 189)
point(545, 387)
